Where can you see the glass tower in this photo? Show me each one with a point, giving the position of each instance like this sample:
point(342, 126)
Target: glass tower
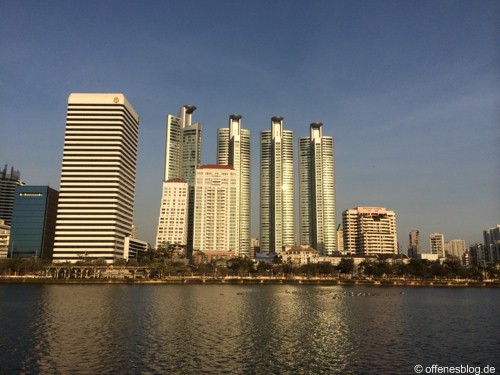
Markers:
point(233, 149)
point(182, 157)
point(317, 191)
point(277, 226)
point(33, 222)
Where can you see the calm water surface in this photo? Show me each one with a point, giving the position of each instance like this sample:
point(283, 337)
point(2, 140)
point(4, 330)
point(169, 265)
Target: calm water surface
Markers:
point(235, 329)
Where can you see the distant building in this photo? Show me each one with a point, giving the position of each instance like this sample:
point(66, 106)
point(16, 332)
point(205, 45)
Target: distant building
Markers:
point(183, 156)
point(8, 184)
point(414, 247)
point(277, 186)
point(340, 238)
point(369, 231)
point(96, 200)
point(299, 255)
point(317, 191)
point(233, 148)
point(215, 209)
point(429, 257)
point(134, 248)
point(173, 220)
point(492, 243)
point(457, 248)
point(437, 244)
point(33, 222)
point(476, 255)
point(4, 238)
point(254, 247)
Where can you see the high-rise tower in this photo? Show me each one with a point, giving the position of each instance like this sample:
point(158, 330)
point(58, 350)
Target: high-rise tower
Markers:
point(233, 149)
point(96, 200)
point(182, 157)
point(8, 184)
point(317, 191)
point(277, 226)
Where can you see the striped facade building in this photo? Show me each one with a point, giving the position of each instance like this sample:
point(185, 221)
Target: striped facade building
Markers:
point(96, 200)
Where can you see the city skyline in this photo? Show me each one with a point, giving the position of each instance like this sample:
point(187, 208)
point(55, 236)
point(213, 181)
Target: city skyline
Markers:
point(408, 91)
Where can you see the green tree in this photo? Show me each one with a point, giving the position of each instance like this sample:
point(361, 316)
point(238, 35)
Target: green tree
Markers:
point(346, 266)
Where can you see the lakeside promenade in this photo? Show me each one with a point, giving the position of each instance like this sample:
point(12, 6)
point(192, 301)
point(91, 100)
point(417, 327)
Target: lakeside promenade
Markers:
point(286, 279)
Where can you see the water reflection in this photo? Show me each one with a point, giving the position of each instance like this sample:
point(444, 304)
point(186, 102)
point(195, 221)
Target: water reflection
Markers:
point(257, 329)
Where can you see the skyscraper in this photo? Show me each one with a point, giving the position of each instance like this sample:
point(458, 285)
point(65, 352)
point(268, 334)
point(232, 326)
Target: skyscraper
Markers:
point(414, 247)
point(33, 222)
point(215, 220)
point(437, 244)
point(96, 200)
point(369, 231)
point(277, 221)
point(233, 149)
point(183, 156)
point(173, 221)
point(317, 191)
point(8, 184)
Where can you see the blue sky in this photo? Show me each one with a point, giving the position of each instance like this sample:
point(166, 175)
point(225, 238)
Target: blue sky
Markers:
point(410, 90)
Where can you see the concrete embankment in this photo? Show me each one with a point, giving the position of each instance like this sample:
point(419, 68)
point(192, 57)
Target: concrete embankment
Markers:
point(254, 280)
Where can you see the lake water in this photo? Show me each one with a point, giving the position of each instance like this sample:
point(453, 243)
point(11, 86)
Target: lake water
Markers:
point(245, 329)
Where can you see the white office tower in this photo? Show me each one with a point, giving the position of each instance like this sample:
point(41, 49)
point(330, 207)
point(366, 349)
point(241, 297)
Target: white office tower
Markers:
point(173, 220)
point(233, 149)
point(277, 211)
point(436, 242)
point(317, 191)
point(369, 231)
point(215, 221)
point(183, 155)
point(96, 200)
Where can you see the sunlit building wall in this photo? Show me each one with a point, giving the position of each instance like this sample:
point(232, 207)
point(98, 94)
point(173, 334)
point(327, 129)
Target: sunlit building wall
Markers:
point(173, 220)
point(369, 231)
point(96, 200)
point(317, 191)
point(277, 208)
point(436, 244)
point(183, 156)
point(215, 221)
point(233, 149)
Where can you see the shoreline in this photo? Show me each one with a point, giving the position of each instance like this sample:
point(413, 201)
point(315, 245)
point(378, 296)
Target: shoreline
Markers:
point(253, 281)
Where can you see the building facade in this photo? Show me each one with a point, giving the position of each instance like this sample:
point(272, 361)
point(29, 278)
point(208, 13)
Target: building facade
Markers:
point(4, 239)
point(183, 156)
point(414, 246)
point(457, 248)
point(33, 222)
point(173, 220)
point(8, 184)
point(369, 231)
point(233, 149)
point(492, 243)
point(215, 221)
point(436, 244)
point(277, 208)
point(96, 200)
point(317, 191)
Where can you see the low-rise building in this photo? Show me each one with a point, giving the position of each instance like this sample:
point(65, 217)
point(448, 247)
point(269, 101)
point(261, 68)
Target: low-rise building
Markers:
point(299, 255)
